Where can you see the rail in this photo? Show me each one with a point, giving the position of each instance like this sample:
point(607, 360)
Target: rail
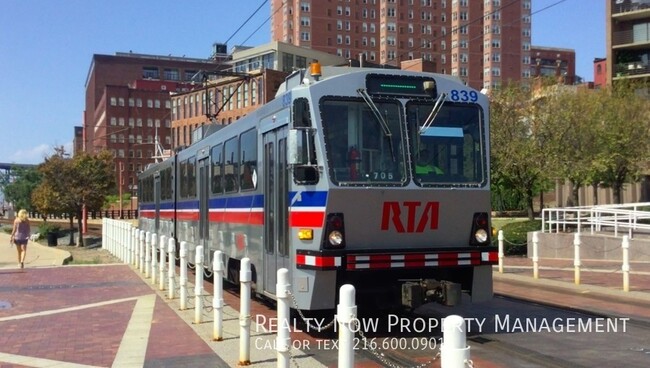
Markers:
point(628, 218)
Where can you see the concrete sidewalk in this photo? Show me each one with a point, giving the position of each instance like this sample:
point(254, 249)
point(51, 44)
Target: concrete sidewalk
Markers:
point(37, 255)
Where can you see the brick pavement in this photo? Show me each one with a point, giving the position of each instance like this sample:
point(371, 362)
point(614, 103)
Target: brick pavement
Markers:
point(87, 315)
point(92, 316)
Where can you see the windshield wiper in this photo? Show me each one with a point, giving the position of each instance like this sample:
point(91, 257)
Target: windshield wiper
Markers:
point(434, 112)
point(382, 122)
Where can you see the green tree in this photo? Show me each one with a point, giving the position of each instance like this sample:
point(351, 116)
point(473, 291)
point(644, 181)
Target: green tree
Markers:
point(624, 136)
point(70, 184)
point(19, 190)
point(94, 180)
point(571, 124)
point(518, 153)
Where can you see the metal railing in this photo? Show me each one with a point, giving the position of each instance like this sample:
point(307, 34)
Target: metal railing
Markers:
point(628, 218)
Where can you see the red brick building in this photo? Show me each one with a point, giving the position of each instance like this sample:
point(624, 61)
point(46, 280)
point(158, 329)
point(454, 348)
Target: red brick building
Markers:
point(128, 105)
point(485, 43)
point(232, 97)
point(600, 72)
point(554, 62)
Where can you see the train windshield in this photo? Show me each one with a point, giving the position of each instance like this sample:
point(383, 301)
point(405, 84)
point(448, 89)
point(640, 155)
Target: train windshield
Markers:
point(364, 141)
point(448, 144)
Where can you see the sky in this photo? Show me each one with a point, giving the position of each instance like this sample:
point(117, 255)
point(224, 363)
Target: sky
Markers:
point(46, 47)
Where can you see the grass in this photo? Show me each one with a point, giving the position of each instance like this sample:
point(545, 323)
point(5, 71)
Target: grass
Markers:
point(499, 222)
point(515, 233)
point(95, 260)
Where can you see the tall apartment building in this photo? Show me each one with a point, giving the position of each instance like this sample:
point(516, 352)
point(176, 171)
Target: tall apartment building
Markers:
point(628, 39)
point(128, 105)
point(484, 42)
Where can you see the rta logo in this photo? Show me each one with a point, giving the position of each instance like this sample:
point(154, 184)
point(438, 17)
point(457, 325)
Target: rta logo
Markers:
point(418, 216)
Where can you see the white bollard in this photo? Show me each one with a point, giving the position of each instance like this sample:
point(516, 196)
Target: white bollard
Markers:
point(161, 264)
point(147, 254)
point(171, 252)
point(454, 352)
point(217, 299)
point(626, 263)
point(245, 278)
point(535, 255)
point(134, 247)
point(104, 233)
point(141, 250)
point(183, 275)
point(346, 312)
point(126, 242)
point(198, 284)
point(123, 242)
point(576, 258)
point(154, 248)
point(500, 237)
point(283, 339)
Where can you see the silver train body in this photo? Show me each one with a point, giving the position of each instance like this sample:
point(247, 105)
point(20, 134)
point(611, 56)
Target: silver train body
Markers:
point(373, 177)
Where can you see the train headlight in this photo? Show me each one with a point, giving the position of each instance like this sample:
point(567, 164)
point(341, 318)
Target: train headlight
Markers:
point(481, 235)
point(335, 238)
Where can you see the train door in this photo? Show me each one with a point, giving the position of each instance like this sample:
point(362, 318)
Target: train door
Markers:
point(156, 196)
point(276, 219)
point(203, 180)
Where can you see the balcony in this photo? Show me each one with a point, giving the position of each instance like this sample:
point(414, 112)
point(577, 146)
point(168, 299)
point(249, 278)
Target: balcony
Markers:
point(631, 39)
point(636, 10)
point(631, 70)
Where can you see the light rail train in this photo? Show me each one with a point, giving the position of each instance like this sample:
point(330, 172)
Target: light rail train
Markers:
point(373, 177)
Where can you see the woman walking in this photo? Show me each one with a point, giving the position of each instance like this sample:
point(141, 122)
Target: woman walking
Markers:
point(20, 236)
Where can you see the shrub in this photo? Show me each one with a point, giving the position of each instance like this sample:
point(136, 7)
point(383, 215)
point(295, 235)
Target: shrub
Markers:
point(47, 227)
point(516, 236)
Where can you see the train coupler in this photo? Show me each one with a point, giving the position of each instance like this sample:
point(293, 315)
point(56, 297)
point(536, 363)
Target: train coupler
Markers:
point(416, 293)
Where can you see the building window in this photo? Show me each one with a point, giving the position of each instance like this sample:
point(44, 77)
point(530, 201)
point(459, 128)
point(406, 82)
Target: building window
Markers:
point(150, 72)
point(172, 74)
point(254, 92)
point(113, 101)
point(189, 74)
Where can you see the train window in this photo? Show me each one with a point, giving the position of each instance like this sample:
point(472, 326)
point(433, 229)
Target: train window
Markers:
point(301, 116)
point(183, 178)
point(166, 184)
point(217, 169)
point(248, 156)
point(449, 150)
point(231, 165)
point(364, 141)
point(191, 177)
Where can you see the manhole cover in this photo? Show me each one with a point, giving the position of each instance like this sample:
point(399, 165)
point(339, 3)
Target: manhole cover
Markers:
point(4, 304)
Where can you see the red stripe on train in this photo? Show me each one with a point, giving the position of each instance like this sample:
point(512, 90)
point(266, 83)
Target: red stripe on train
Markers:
point(306, 219)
